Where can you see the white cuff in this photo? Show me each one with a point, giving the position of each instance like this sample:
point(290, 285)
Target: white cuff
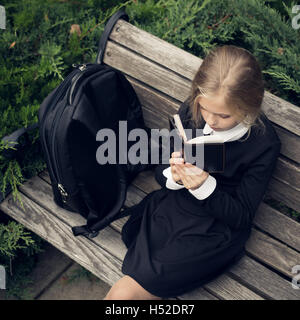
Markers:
point(170, 183)
point(206, 189)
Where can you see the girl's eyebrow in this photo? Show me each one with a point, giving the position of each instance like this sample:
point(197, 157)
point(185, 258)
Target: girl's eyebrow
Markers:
point(220, 114)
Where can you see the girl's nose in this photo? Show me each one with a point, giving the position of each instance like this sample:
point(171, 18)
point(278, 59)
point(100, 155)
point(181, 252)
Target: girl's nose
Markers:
point(212, 121)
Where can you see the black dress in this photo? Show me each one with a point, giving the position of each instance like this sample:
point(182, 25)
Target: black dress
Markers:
point(177, 243)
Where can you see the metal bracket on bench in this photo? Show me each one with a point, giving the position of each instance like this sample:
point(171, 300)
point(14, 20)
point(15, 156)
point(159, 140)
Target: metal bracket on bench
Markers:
point(120, 14)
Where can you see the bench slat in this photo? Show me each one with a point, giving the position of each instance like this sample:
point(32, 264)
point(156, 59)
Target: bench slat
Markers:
point(263, 281)
point(152, 74)
point(288, 172)
point(155, 49)
point(198, 294)
point(229, 289)
point(284, 192)
point(278, 225)
point(289, 144)
point(270, 251)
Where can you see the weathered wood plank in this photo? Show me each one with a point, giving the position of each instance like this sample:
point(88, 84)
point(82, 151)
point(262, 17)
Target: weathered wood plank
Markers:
point(153, 120)
point(289, 143)
point(198, 294)
point(284, 192)
point(288, 172)
point(282, 112)
point(272, 252)
point(230, 289)
point(146, 181)
point(262, 280)
point(151, 73)
point(278, 225)
point(155, 49)
point(154, 100)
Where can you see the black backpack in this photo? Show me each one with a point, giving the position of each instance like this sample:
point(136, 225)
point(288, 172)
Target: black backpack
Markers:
point(92, 97)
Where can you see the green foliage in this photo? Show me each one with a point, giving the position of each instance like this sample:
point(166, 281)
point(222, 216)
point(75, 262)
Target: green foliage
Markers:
point(51, 62)
point(18, 248)
point(262, 27)
point(13, 237)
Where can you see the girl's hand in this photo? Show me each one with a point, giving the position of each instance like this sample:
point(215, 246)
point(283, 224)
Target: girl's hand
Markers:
point(176, 158)
point(191, 176)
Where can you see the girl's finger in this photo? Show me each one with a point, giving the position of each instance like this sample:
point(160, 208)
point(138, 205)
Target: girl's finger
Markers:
point(176, 154)
point(193, 169)
point(187, 175)
point(181, 172)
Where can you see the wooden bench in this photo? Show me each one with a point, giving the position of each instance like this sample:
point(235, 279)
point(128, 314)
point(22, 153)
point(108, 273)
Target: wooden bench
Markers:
point(161, 74)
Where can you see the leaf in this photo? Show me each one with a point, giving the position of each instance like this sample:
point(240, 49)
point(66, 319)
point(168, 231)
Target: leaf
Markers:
point(12, 44)
point(75, 28)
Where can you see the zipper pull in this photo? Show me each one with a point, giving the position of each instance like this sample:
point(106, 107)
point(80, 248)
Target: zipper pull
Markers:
point(81, 67)
point(63, 192)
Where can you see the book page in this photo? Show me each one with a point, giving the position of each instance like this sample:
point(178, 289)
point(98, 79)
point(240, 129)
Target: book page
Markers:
point(206, 139)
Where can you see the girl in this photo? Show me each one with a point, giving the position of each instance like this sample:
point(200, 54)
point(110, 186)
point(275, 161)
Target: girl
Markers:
point(195, 227)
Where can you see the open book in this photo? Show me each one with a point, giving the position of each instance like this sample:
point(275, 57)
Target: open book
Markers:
point(206, 152)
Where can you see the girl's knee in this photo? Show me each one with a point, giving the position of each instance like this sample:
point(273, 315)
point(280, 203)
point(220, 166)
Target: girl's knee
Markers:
point(128, 289)
point(120, 294)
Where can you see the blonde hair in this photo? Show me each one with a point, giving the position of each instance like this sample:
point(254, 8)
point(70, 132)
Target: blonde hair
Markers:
point(235, 73)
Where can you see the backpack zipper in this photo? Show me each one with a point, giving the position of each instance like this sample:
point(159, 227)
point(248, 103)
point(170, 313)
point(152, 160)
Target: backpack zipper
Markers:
point(54, 126)
point(55, 99)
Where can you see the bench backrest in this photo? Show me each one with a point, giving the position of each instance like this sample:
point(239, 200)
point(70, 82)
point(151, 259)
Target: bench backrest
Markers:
point(161, 75)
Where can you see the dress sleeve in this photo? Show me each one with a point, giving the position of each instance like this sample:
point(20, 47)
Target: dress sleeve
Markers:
point(159, 177)
point(238, 210)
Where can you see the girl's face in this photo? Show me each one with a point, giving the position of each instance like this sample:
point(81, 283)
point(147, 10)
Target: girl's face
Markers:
point(216, 114)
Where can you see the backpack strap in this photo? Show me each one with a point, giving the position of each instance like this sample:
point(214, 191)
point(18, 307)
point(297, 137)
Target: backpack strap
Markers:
point(120, 14)
point(13, 140)
point(92, 229)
